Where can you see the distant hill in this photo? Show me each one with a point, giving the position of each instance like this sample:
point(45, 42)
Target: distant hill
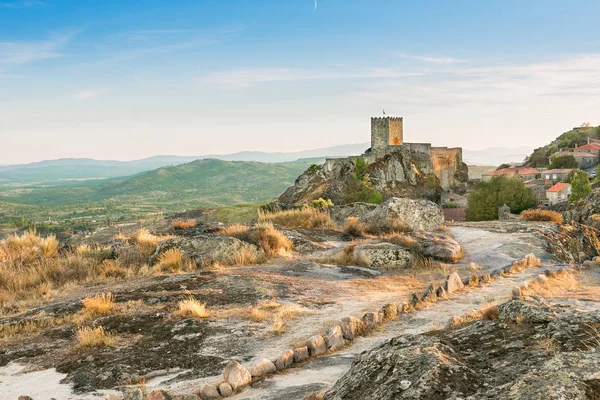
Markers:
point(57, 171)
point(202, 183)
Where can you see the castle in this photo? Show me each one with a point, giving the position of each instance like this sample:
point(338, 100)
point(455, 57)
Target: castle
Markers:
point(394, 168)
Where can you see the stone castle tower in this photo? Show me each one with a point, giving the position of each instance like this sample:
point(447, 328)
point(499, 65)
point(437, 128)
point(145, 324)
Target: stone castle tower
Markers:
point(386, 131)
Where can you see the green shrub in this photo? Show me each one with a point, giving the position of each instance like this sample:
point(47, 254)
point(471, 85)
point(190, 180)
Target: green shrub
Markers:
point(563, 162)
point(484, 202)
point(360, 188)
point(580, 186)
point(321, 203)
point(313, 169)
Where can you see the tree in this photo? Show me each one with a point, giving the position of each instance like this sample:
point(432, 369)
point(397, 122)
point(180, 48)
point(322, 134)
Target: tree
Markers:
point(361, 188)
point(580, 186)
point(484, 202)
point(564, 162)
point(539, 158)
point(502, 166)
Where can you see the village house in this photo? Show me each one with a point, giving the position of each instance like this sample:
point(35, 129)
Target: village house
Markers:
point(583, 158)
point(558, 174)
point(525, 173)
point(591, 148)
point(558, 193)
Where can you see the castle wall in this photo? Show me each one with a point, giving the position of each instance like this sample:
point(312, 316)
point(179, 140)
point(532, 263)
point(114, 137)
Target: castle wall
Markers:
point(386, 131)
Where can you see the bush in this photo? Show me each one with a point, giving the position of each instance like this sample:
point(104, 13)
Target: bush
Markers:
point(313, 169)
point(360, 189)
point(541, 215)
point(563, 162)
point(484, 202)
point(353, 226)
point(263, 235)
point(580, 186)
point(322, 204)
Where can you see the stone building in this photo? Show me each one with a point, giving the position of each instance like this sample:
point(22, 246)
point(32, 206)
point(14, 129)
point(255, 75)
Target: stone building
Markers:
point(558, 193)
point(395, 169)
point(525, 173)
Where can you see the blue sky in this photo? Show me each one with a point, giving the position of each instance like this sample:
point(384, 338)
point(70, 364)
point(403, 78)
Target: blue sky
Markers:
point(126, 80)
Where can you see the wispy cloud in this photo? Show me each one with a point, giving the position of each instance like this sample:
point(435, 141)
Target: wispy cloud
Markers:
point(21, 4)
point(246, 77)
point(14, 53)
point(84, 95)
point(430, 59)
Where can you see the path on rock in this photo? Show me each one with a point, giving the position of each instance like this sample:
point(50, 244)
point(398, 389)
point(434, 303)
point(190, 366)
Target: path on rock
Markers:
point(490, 250)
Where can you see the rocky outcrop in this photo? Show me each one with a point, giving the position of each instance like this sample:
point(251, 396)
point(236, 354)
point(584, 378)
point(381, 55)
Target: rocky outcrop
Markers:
point(383, 254)
point(236, 375)
point(398, 214)
point(439, 246)
point(531, 351)
point(573, 243)
point(411, 170)
point(340, 213)
point(206, 249)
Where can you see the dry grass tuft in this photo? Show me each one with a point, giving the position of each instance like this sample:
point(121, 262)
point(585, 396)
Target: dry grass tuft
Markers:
point(558, 284)
point(546, 344)
point(190, 307)
point(94, 337)
point(306, 217)
point(171, 260)
point(541, 215)
point(354, 227)
point(390, 226)
point(279, 326)
point(17, 251)
point(100, 304)
point(184, 223)
point(489, 312)
point(263, 235)
point(403, 240)
point(270, 310)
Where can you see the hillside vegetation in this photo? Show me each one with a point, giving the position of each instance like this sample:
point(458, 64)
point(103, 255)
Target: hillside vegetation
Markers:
point(568, 140)
point(202, 183)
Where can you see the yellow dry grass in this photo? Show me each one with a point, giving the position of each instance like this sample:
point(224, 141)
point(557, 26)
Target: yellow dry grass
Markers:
point(180, 223)
point(353, 226)
point(190, 307)
point(263, 235)
point(489, 312)
point(270, 310)
point(18, 250)
point(94, 337)
point(306, 217)
point(556, 286)
point(100, 304)
point(171, 260)
point(541, 215)
point(402, 240)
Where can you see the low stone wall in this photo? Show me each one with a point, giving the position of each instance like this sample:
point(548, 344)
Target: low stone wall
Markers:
point(236, 376)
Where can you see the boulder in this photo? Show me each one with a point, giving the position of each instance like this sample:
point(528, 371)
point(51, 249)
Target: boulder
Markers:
point(415, 300)
point(429, 294)
point(158, 395)
point(390, 311)
point(334, 338)
point(316, 345)
point(526, 310)
point(340, 213)
point(453, 283)
point(130, 394)
point(383, 254)
point(439, 246)
point(370, 320)
point(225, 390)
point(285, 360)
point(29, 398)
point(516, 292)
point(351, 327)
point(205, 249)
point(209, 392)
point(396, 213)
point(300, 354)
point(440, 292)
point(236, 375)
point(262, 368)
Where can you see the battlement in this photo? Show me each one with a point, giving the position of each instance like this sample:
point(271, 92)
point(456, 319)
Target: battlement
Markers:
point(386, 131)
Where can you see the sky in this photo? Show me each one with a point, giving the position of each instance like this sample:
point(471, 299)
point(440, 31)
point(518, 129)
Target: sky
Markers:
point(125, 80)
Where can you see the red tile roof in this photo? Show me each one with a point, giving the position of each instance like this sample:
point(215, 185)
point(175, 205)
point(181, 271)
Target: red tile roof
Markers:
point(558, 171)
point(589, 146)
point(513, 171)
point(559, 187)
